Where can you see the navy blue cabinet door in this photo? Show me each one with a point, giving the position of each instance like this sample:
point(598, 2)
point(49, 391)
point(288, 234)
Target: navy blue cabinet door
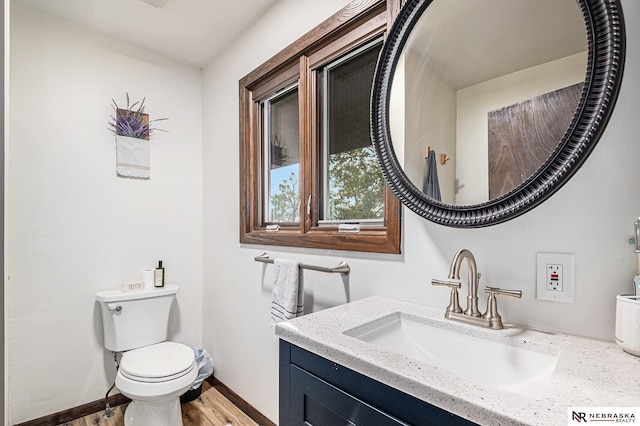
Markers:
point(317, 403)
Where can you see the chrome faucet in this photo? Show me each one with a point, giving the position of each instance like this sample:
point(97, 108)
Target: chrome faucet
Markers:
point(491, 318)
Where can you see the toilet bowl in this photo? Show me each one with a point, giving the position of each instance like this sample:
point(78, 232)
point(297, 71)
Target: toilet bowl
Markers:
point(154, 377)
point(153, 372)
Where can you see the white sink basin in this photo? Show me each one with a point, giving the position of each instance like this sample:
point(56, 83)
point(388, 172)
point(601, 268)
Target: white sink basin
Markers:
point(516, 365)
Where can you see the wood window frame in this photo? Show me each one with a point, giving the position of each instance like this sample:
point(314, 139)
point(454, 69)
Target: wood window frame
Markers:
point(358, 22)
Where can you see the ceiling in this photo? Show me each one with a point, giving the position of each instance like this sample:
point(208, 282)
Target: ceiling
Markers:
point(190, 31)
point(469, 42)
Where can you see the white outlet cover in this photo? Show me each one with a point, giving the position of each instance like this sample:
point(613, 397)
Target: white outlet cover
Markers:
point(542, 262)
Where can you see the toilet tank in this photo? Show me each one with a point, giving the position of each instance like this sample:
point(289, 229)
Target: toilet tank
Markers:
point(133, 319)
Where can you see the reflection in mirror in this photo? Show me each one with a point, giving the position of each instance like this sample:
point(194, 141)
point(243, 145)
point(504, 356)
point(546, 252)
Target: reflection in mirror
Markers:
point(491, 84)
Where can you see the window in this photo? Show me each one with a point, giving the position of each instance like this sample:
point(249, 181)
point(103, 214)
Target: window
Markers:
point(352, 184)
point(307, 163)
point(280, 116)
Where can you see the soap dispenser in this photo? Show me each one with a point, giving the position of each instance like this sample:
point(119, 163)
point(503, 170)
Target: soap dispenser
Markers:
point(159, 276)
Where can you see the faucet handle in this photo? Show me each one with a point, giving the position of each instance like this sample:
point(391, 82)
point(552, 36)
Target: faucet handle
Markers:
point(492, 316)
point(500, 292)
point(454, 300)
point(454, 284)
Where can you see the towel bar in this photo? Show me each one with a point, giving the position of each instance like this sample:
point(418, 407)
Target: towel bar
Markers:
point(342, 268)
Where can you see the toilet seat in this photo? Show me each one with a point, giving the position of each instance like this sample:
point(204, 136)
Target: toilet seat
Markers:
point(157, 363)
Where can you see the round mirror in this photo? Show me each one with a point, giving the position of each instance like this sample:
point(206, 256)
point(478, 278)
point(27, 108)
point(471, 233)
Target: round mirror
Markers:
point(482, 109)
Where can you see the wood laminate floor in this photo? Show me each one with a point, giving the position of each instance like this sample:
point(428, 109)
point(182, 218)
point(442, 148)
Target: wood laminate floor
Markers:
point(210, 409)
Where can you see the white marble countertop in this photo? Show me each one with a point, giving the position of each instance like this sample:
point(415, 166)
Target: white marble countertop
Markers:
point(589, 373)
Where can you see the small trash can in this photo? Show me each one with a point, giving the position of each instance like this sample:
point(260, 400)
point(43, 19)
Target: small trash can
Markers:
point(205, 369)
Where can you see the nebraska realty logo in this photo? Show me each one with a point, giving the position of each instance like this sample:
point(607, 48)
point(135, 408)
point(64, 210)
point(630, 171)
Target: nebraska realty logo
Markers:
point(579, 415)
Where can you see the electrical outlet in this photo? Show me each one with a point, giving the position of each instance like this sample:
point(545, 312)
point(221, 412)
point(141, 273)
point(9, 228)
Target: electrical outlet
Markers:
point(554, 277)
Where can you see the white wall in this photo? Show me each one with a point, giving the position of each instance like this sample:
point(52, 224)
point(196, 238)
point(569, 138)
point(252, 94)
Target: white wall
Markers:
point(591, 216)
point(430, 121)
point(75, 227)
point(4, 14)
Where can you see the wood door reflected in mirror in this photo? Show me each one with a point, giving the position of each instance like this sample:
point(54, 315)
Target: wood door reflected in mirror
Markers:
point(461, 76)
point(466, 58)
point(522, 136)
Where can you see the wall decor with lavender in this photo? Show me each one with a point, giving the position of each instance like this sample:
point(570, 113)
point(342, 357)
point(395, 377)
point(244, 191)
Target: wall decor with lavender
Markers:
point(132, 129)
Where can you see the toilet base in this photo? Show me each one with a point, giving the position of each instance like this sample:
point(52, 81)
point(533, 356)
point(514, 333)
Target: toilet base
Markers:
point(154, 413)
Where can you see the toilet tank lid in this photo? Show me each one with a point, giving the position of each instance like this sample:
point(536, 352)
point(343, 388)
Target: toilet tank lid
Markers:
point(119, 295)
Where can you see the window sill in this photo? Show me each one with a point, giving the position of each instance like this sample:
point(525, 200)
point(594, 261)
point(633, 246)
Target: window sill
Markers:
point(377, 240)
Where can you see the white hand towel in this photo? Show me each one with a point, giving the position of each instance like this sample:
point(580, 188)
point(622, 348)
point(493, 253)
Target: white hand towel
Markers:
point(287, 298)
point(132, 157)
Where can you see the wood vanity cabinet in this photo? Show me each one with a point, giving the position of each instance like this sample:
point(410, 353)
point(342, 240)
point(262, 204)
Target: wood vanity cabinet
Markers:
point(318, 392)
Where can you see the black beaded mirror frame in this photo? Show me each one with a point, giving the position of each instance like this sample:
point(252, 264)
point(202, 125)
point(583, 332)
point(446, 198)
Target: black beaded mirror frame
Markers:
point(604, 26)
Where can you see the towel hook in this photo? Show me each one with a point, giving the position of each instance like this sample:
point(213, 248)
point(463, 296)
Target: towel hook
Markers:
point(443, 157)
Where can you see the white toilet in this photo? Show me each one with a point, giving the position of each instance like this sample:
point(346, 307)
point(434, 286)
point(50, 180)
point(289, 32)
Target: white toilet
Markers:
point(153, 372)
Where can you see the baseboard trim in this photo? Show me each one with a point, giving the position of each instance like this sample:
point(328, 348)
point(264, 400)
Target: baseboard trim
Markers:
point(77, 412)
point(243, 405)
point(119, 399)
